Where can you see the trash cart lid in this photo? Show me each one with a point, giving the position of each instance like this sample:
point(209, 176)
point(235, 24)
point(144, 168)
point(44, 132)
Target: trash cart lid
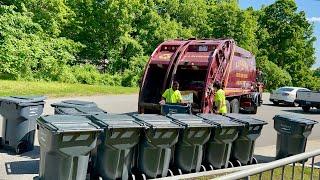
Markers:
point(189, 120)
point(246, 119)
point(74, 103)
point(295, 118)
point(24, 100)
point(115, 121)
point(221, 121)
point(80, 110)
point(68, 123)
point(156, 121)
point(81, 103)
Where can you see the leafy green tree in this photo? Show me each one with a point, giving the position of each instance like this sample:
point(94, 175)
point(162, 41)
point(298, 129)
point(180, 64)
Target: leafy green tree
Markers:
point(287, 39)
point(274, 76)
point(105, 27)
point(192, 14)
point(316, 72)
point(27, 52)
point(227, 20)
point(151, 28)
point(52, 15)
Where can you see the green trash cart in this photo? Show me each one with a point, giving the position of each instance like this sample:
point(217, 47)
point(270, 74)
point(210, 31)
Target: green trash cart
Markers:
point(114, 156)
point(65, 145)
point(19, 121)
point(218, 148)
point(292, 133)
point(188, 152)
point(243, 147)
point(154, 150)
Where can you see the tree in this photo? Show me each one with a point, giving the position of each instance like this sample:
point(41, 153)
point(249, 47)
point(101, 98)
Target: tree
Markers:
point(227, 20)
point(274, 76)
point(287, 39)
point(52, 15)
point(316, 72)
point(27, 52)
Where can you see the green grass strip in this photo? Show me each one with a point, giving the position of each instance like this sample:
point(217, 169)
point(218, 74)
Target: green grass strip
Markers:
point(277, 174)
point(55, 89)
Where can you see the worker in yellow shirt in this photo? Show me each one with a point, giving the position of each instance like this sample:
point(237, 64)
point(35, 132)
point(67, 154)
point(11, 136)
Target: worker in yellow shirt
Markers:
point(220, 99)
point(172, 95)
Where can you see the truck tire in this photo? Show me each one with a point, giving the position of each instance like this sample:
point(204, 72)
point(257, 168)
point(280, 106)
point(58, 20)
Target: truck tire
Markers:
point(255, 109)
point(305, 108)
point(294, 104)
point(235, 106)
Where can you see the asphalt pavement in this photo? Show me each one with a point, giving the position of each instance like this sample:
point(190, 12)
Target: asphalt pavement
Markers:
point(26, 165)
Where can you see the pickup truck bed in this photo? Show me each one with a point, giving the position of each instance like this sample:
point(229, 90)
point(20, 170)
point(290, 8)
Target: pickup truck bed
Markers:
point(308, 99)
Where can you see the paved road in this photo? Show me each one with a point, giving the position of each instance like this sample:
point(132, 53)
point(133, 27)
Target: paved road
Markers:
point(26, 166)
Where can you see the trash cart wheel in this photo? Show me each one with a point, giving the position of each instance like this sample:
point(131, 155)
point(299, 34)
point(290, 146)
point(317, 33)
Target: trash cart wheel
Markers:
point(170, 173)
point(230, 164)
point(202, 168)
point(211, 167)
point(144, 177)
point(237, 163)
point(133, 177)
point(254, 161)
point(180, 171)
point(305, 108)
point(22, 147)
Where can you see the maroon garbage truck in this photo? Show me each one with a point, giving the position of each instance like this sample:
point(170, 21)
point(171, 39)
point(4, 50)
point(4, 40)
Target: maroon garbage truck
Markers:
point(196, 65)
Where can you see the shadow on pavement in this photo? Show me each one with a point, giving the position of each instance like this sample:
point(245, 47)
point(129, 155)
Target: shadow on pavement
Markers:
point(22, 167)
point(34, 154)
point(279, 105)
point(300, 111)
point(264, 159)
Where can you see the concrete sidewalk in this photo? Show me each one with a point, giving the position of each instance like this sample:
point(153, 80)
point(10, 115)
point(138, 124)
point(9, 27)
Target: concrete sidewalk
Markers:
point(268, 153)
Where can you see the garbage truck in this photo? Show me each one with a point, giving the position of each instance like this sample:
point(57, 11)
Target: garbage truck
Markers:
point(196, 65)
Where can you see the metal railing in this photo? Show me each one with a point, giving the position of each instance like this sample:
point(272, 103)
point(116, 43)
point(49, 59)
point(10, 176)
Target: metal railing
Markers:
point(282, 163)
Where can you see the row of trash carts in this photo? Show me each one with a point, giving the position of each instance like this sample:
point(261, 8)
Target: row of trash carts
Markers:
point(81, 140)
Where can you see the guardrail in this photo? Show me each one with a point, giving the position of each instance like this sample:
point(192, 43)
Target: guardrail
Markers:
point(271, 166)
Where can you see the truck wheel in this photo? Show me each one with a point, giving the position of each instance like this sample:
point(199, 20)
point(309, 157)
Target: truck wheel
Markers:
point(306, 108)
point(235, 106)
point(255, 109)
point(228, 106)
point(294, 104)
point(275, 103)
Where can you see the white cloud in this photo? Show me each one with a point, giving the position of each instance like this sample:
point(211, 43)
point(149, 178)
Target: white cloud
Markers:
point(314, 19)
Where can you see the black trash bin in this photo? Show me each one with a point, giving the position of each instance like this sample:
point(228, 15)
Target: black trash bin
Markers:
point(114, 156)
point(75, 107)
point(218, 148)
point(175, 109)
point(292, 133)
point(65, 145)
point(188, 152)
point(19, 121)
point(243, 146)
point(154, 150)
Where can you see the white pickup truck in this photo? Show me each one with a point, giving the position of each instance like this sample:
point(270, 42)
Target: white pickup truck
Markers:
point(308, 99)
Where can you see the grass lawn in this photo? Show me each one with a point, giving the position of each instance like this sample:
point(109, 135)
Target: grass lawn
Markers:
point(288, 173)
point(277, 174)
point(54, 89)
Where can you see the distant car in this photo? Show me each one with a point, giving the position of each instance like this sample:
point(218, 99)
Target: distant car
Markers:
point(286, 95)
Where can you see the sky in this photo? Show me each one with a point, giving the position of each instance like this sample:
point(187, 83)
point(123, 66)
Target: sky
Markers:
point(310, 7)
